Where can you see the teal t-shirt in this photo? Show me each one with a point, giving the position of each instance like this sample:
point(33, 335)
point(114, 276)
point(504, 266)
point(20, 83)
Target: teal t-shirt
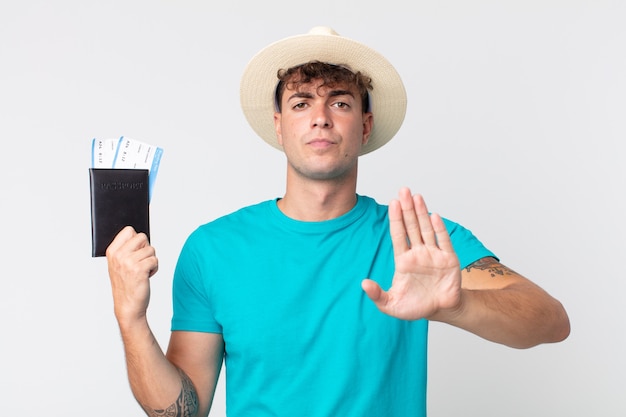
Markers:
point(301, 337)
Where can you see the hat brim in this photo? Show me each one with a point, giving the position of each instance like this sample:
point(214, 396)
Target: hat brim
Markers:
point(259, 80)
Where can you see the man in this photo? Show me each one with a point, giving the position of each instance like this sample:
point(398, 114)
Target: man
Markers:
point(290, 292)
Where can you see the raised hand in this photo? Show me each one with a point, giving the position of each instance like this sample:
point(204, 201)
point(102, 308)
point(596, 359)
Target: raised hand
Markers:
point(131, 262)
point(427, 278)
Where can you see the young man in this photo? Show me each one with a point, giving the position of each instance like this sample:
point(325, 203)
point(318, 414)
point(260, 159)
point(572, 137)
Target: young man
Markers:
point(291, 291)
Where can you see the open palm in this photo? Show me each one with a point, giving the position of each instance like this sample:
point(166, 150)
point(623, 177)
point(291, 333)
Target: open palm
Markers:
point(427, 278)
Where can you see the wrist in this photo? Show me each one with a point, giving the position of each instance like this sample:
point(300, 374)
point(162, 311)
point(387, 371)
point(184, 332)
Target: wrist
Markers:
point(130, 322)
point(454, 313)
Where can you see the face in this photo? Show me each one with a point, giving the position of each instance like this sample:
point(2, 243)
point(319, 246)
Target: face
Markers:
point(322, 130)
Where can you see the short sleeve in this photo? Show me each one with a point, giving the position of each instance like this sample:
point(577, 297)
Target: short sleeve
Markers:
point(467, 247)
point(191, 289)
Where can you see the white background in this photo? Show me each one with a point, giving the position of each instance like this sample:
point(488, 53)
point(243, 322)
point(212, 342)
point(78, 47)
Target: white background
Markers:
point(515, 120)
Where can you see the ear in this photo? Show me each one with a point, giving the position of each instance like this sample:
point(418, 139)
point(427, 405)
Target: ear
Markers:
point(368, 124)
point(277, 128)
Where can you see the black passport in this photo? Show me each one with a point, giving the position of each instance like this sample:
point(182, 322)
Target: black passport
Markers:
point(119, 198)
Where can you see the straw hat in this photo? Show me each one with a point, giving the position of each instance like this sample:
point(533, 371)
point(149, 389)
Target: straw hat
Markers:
point(259, 81)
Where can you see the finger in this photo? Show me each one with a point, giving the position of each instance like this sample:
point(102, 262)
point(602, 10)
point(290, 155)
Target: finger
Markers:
point(154, 269)
point(424, 220)
point(120, 239)
point(443, 237)
point(144, 256)
point(131, 252)
point(150, 263)
point(138, 241)
point(397, 229)
point(409, 217)
point(374, 292)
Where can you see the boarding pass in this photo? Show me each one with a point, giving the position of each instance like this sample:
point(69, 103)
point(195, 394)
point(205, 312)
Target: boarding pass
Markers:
point(127, 153)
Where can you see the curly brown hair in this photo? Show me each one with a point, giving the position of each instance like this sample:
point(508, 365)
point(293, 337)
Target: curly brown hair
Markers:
point(331, 75)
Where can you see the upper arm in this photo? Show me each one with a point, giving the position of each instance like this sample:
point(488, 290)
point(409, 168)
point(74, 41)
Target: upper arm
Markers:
point(200, 356)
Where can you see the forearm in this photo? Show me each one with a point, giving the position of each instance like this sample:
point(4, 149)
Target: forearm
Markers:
point(159, 386)
point(521, 315)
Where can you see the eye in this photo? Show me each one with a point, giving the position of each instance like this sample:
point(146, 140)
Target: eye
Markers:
point(299, 106)
point(341, 105)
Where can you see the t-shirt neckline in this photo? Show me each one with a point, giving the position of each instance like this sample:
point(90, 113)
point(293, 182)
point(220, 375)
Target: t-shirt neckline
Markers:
point(324, 226)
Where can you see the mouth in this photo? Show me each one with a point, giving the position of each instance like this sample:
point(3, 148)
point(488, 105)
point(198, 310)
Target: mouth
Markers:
point(321, 143)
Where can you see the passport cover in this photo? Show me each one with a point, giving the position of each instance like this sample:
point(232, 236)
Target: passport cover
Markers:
point(119, 198)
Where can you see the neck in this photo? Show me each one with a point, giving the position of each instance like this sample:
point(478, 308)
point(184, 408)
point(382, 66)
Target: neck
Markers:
point(314, 200)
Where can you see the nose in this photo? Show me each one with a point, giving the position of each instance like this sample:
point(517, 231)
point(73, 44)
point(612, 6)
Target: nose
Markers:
point(321, 117)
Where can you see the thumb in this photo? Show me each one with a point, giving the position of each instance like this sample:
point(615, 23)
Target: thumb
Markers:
point(374, 292)
point(123, 236)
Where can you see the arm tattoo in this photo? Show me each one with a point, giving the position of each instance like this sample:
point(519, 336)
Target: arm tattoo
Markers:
point(492, 266)
point(186, 404)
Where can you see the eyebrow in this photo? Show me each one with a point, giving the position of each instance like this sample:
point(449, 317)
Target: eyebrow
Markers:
point(335, 93)
point(331, 93)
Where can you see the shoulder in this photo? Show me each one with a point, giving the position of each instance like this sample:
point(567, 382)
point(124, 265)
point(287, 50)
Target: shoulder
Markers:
point(370, 205)
point(252, 213)
point(467, 246)
point(229, 226)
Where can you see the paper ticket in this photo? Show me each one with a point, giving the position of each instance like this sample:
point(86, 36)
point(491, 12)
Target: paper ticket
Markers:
point(127, 153)
point(103, 152)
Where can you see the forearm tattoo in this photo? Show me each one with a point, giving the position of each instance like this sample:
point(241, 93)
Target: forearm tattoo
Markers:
point(186, 404)
point(492, 266)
